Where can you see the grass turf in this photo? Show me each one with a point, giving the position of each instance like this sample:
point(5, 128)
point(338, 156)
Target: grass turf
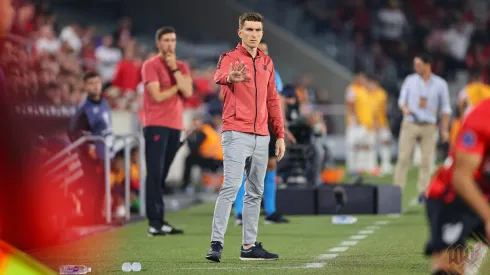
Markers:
point(394, 248)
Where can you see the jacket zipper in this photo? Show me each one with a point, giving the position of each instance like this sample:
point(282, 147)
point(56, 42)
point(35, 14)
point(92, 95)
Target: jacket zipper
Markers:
point(256, 95)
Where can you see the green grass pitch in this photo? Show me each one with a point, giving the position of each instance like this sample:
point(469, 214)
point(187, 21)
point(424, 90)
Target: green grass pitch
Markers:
point(393, 248)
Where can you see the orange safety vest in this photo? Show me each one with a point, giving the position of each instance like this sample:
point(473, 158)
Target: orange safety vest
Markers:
point(211, 146)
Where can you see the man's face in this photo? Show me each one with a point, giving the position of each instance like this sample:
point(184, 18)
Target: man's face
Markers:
point(93, 86)
point(251, 33)
point(419, 66)
point(167, 43)
point(6, 16)
point(263, 47)
point(107, 41)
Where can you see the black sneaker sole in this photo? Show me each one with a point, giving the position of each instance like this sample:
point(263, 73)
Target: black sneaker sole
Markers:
point(213, 258)
point(257, 259)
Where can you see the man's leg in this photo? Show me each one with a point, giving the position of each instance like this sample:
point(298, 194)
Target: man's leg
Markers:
point(171, 148)
point(406, 143)
point(385, 151)
point(318, 161)
point(154, 154)
point(189, 163)
point(237, 147)
point(254, 188)
point(427, 149)
point(270, 187)
point(239, 202)
point(349, 154)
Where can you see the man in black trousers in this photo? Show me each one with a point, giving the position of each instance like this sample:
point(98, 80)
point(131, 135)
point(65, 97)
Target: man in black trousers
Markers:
point(167, 81)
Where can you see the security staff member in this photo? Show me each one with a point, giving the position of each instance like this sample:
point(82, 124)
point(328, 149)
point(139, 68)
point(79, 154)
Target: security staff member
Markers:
point(205, 149)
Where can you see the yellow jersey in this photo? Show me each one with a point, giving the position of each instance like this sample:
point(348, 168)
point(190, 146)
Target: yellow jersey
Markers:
point(380, 97)
point(364, 106)
point(473, 94)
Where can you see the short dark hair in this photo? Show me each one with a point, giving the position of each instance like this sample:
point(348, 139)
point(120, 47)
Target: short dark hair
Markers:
point(162, 31)
point(425, 57)
point(250, 16)
point(89, 75)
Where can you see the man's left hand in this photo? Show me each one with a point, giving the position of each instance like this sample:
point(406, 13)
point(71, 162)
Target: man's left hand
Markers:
point(280, 149)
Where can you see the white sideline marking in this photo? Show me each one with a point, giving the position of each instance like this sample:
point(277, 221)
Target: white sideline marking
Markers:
point(366, 232)
point(381, 222)
point(314, 265)
point(348, 243)
point(373, 227)
point(358, 237)
point(338, 249)
point(327, 256)
point(393, 216)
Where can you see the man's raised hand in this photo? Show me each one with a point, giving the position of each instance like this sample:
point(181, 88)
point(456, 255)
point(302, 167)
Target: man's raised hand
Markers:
point(238, 73)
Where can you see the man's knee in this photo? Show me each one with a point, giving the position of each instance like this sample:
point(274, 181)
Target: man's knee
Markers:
point(272, 164)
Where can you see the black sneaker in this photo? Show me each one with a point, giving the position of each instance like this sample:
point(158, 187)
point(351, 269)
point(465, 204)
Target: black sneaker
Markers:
point(275, 218)
point(238, 220)
point(152, 232)
point(169, 229)
point(257, 253)
point(214, 253)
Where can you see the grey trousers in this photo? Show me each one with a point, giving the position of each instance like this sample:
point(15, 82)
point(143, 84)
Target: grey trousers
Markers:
point(241, 152)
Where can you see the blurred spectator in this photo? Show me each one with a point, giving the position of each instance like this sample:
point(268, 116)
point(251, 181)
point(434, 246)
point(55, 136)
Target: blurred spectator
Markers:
point(47, 41)
point(457, 39)
point(127, 75)
point(123, 35)
point(71, 35)
point(392, 22)
point(107, 58)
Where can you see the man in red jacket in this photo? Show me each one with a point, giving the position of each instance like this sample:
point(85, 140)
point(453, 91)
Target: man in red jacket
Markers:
point(250, 100)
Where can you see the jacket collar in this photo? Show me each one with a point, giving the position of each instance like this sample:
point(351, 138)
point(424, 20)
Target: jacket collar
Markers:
point(242, 50)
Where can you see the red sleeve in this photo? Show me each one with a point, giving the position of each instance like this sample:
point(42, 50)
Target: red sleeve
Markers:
point(149, 73)
point(222, 70)
point(274, 106)
point(470, 140)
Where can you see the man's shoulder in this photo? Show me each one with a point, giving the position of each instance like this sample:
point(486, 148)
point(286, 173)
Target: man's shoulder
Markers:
point(439, 79)
point(181, 63)
point(411, 77)
point(151, 60)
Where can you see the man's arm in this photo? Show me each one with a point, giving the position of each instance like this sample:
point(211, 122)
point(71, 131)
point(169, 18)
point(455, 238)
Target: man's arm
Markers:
point(446, 109)
point(195, 140)
point(150, 78)
point(159, 95)
point(222, 70)
point(403, 99)
point(464, 167)
point(78, 126)
point(274, 106)
point(184, 81)
point(462, 101)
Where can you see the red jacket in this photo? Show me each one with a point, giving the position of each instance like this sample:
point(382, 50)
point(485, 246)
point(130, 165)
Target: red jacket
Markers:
point(249, 106)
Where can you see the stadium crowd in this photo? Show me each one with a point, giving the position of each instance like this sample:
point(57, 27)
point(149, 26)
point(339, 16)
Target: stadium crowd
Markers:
point(387, 34)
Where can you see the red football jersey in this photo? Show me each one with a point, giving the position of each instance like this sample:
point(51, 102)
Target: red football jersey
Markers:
point(474, 138)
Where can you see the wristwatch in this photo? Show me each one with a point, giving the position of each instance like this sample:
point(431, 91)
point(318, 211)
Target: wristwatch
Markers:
point(175, 70)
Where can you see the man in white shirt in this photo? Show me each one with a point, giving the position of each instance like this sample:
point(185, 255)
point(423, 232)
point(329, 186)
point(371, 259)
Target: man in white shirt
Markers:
point(107, 58)
point(47, 41)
